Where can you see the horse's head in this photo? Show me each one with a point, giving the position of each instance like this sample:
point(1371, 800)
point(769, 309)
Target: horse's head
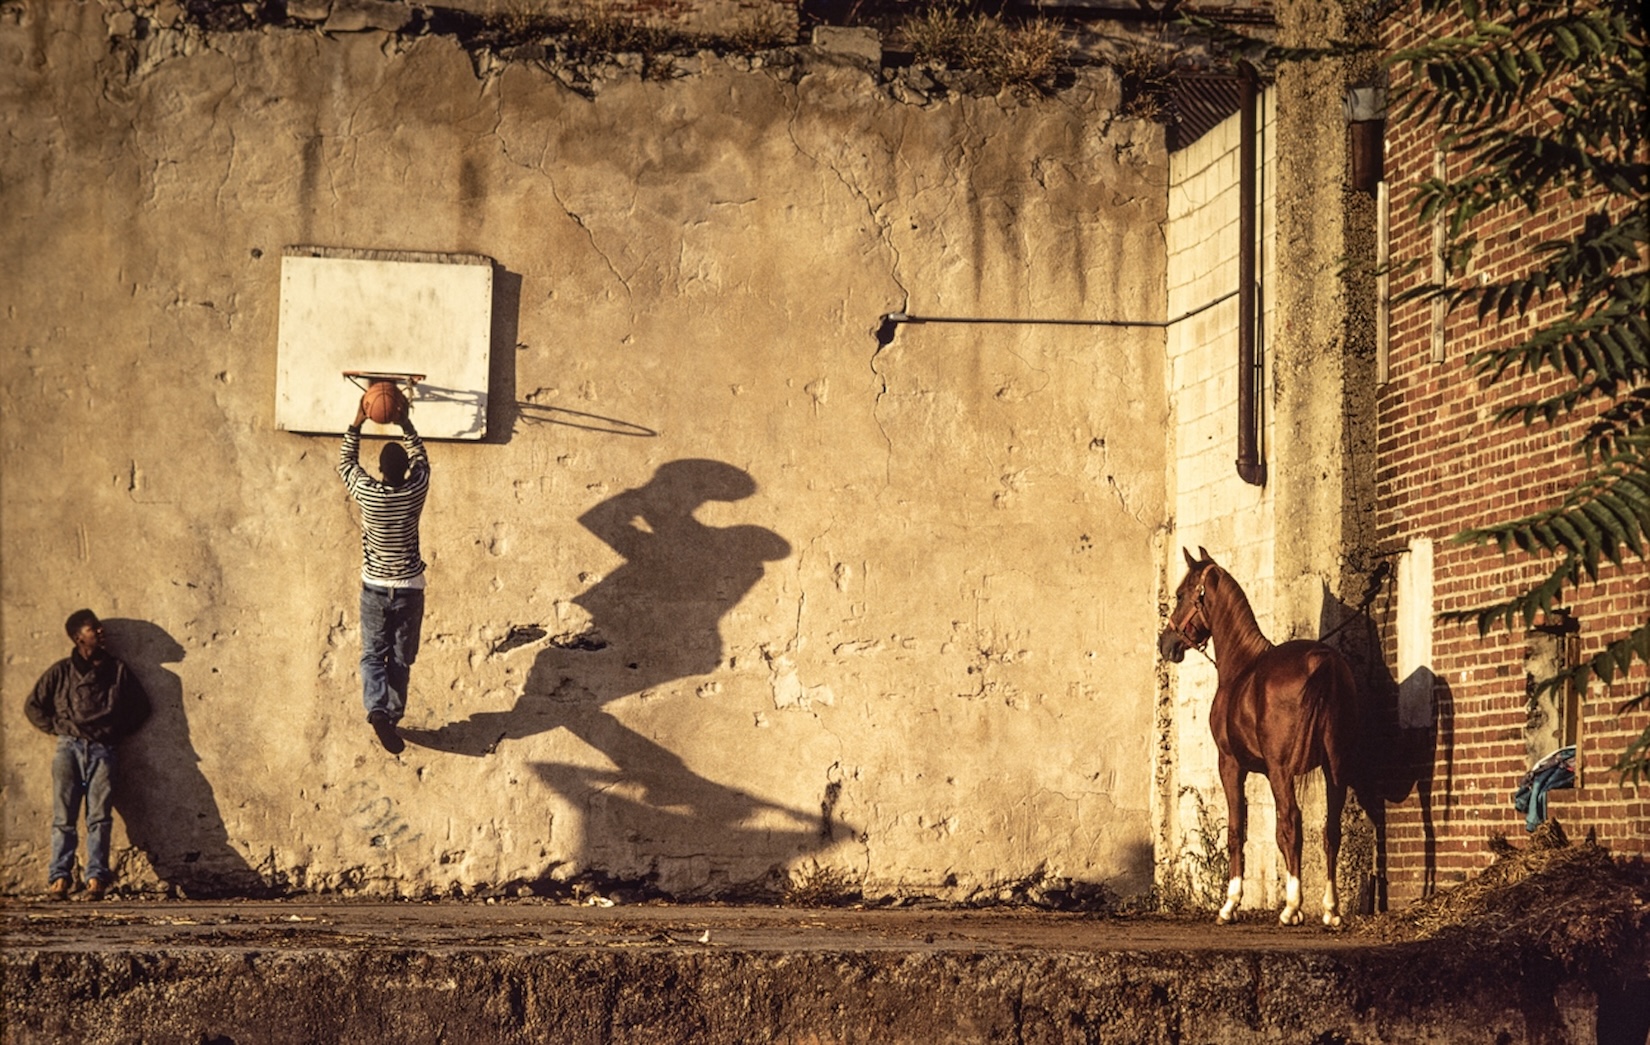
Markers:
point(1189, 622)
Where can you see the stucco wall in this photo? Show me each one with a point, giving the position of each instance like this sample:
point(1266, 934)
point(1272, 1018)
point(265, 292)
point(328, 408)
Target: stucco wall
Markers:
point(913, 646)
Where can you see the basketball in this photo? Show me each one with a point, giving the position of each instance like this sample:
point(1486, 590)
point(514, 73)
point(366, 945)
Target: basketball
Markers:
point(383, 402)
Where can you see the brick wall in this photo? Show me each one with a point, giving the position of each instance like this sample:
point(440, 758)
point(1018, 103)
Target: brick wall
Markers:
point(1445, 464)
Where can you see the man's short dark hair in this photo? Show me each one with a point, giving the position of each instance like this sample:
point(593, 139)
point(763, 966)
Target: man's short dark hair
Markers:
point(392, 461)
point(77, 620)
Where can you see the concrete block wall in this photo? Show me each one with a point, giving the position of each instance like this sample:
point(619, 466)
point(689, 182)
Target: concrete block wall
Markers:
point(1213, 507)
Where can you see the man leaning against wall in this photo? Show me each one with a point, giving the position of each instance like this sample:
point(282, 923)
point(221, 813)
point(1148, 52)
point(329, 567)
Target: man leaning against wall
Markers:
point(90, 701)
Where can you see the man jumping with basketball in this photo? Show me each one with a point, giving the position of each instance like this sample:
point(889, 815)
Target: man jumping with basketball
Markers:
point(392, 573)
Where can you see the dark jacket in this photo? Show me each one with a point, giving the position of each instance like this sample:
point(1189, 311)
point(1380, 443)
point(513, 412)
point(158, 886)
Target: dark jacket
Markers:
point(75, 698)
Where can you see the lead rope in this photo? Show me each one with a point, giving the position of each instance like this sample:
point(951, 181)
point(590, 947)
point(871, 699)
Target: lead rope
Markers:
point(1371, 590)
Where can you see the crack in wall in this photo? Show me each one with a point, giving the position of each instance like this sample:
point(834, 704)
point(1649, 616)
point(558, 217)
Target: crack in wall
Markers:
point(876, 406)
point(540, 167)
point(883, 226)
point(590, 237)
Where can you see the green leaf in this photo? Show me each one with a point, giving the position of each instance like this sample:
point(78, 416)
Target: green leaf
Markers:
point(1566, 42)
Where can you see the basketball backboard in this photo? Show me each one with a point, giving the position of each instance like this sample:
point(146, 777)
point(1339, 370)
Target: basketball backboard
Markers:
point(388, 312)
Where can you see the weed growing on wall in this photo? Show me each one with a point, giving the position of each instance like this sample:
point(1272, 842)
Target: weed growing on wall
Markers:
point(1197, 879)
point(760, 29)
point(816, 885)
point(1030, 55)
point(600, 29)
point(1146, 79)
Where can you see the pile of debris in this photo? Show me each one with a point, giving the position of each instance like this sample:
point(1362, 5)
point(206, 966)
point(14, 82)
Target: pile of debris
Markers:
point(1553, 901)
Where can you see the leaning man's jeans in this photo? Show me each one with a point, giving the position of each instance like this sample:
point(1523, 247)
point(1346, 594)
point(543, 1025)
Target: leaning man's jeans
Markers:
point(82, 769)
point(391, 621)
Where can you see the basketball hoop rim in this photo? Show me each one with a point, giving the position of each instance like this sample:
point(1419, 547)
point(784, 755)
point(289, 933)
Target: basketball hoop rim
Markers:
point(363, 378)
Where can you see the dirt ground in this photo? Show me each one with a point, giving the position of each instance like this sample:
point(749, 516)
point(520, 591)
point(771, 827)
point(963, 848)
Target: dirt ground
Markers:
point(1549, 900)
point(531, 924)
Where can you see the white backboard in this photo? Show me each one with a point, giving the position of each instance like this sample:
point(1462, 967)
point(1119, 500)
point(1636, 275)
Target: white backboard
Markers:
point(384, 311)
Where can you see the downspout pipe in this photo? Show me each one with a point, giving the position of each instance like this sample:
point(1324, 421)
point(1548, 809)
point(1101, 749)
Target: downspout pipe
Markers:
point(1250, 467)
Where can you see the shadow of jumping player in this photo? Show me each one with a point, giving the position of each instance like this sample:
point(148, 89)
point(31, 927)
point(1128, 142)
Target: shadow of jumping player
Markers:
point(167, 804)
point(660, 610)
point(654, 620)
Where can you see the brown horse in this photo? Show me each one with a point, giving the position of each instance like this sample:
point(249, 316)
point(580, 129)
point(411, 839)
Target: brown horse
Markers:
point(1279, 710)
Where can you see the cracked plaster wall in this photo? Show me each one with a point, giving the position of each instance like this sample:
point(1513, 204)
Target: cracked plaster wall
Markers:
point(916, 650)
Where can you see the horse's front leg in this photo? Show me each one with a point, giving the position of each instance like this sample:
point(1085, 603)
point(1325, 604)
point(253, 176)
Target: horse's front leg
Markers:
point(1289, 843)
point(1237, 821)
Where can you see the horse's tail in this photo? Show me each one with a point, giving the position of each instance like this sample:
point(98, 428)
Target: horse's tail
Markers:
point(1326, 703)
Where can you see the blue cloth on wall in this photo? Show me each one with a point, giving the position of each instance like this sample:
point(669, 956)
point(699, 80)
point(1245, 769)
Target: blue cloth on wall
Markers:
point(1556, 771)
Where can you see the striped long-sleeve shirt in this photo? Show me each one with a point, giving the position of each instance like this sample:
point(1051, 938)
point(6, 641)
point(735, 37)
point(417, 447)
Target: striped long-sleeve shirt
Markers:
point(389, 514)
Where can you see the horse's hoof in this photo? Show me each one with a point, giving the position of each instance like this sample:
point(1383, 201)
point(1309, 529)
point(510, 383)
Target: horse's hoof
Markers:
point(1331, 919)
point(1288, 917)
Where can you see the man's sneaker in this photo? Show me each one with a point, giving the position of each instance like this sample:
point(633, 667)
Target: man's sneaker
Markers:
point(59, 889)
point(387, 735)
point(97, 889)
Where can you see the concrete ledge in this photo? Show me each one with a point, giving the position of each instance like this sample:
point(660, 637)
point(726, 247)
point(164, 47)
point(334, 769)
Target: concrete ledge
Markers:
point(307, 972)
point(856, 41)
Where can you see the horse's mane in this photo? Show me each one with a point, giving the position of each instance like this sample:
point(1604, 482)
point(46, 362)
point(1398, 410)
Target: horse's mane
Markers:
point(1231, 616)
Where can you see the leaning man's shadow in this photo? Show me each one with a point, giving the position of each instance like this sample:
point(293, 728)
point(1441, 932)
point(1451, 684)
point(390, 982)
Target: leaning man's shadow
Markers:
point(166, 802)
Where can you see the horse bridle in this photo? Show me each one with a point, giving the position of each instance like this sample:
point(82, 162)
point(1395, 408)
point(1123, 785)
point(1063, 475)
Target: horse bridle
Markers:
point(1197, 608)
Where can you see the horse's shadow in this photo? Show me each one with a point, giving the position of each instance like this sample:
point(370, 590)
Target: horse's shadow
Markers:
point(165, 800)
point(655, 620)
point(1407, 730)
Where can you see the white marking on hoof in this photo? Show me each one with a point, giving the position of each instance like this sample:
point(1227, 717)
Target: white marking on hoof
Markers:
point(1331, 905)
point(1291, 913)
point(1234, 893)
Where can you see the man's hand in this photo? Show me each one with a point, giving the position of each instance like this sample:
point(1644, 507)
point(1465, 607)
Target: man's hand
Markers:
point(360, 411)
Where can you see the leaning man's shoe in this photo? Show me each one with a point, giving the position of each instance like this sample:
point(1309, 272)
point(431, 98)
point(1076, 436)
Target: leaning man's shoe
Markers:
point(97, 889)
point(58, 890)
point(387, 735)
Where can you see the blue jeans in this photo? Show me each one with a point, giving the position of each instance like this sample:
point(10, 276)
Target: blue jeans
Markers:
point(391, 621)
point(82, 769)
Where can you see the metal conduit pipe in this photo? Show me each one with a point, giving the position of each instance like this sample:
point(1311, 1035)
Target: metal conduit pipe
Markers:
point(890, 321)
point(1249, 465)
